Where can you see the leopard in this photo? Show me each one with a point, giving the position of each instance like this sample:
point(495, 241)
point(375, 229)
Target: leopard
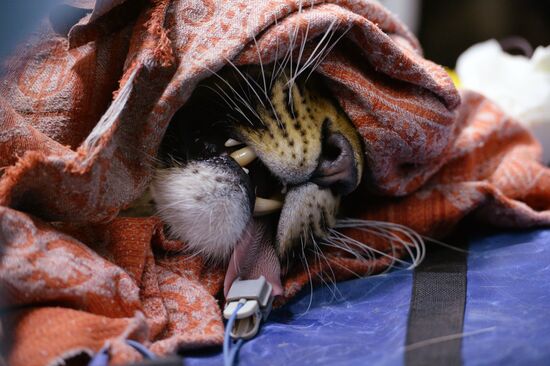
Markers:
point(253, 169)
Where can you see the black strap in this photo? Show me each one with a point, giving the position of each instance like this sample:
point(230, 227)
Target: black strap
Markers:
point(436, 313)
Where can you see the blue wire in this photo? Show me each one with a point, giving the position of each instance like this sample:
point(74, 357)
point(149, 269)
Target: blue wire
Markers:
point(229, 355)
point(141, 349)
point(234, 352)
point(101, 358)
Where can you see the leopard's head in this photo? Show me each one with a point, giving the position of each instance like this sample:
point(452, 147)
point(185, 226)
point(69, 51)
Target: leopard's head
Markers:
point(257, 163)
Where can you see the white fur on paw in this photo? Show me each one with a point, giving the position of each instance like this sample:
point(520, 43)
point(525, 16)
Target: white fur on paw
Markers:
point(206, 206)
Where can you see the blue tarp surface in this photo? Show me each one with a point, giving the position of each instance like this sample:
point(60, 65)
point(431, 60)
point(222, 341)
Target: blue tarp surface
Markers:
point(364, 321)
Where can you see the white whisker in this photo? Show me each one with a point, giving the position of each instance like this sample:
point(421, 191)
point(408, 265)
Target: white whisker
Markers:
point(416, 240)
point(445, 245)
point(246, 81)
point(241, 98)
point(337, 246)
point(301, 52)
point(407, 238)
point(320, 274)
point(228, 99)
point(323, 55)
point(379, 252)
point(304, 261)
point(392, 237)
point(364, 250)
point(319, 44)
point(446, 338)
point(279, 122)
point(261, 63)
point(320, 255)
point(275, 59)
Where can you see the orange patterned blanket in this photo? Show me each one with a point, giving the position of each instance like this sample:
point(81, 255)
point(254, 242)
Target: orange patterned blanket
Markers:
point(84, 103)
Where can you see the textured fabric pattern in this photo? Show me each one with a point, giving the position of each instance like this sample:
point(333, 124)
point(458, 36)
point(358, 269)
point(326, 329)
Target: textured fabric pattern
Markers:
point(83, 110)
point(437, 307)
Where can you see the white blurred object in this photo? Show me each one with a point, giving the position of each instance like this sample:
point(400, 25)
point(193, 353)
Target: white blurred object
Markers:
point(407, 10)
point(520, 86)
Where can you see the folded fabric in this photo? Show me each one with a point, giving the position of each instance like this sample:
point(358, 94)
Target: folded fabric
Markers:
point(83, 109)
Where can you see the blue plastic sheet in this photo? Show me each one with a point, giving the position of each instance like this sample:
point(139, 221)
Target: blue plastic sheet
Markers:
point(508, 300)
point(364, 321)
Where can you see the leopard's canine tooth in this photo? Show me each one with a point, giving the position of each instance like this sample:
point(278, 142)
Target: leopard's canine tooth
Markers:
point(244, 156)
point(264, 206)
point(232, 143)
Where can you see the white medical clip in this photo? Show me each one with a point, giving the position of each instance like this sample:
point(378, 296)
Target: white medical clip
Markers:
point(255, 295)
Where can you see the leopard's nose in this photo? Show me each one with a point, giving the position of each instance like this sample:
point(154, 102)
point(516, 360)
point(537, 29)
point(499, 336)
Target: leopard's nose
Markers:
point(337, 168)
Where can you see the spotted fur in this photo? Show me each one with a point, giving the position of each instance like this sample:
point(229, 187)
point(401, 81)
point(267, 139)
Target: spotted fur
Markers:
point(286, 126)
point(290, 143)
